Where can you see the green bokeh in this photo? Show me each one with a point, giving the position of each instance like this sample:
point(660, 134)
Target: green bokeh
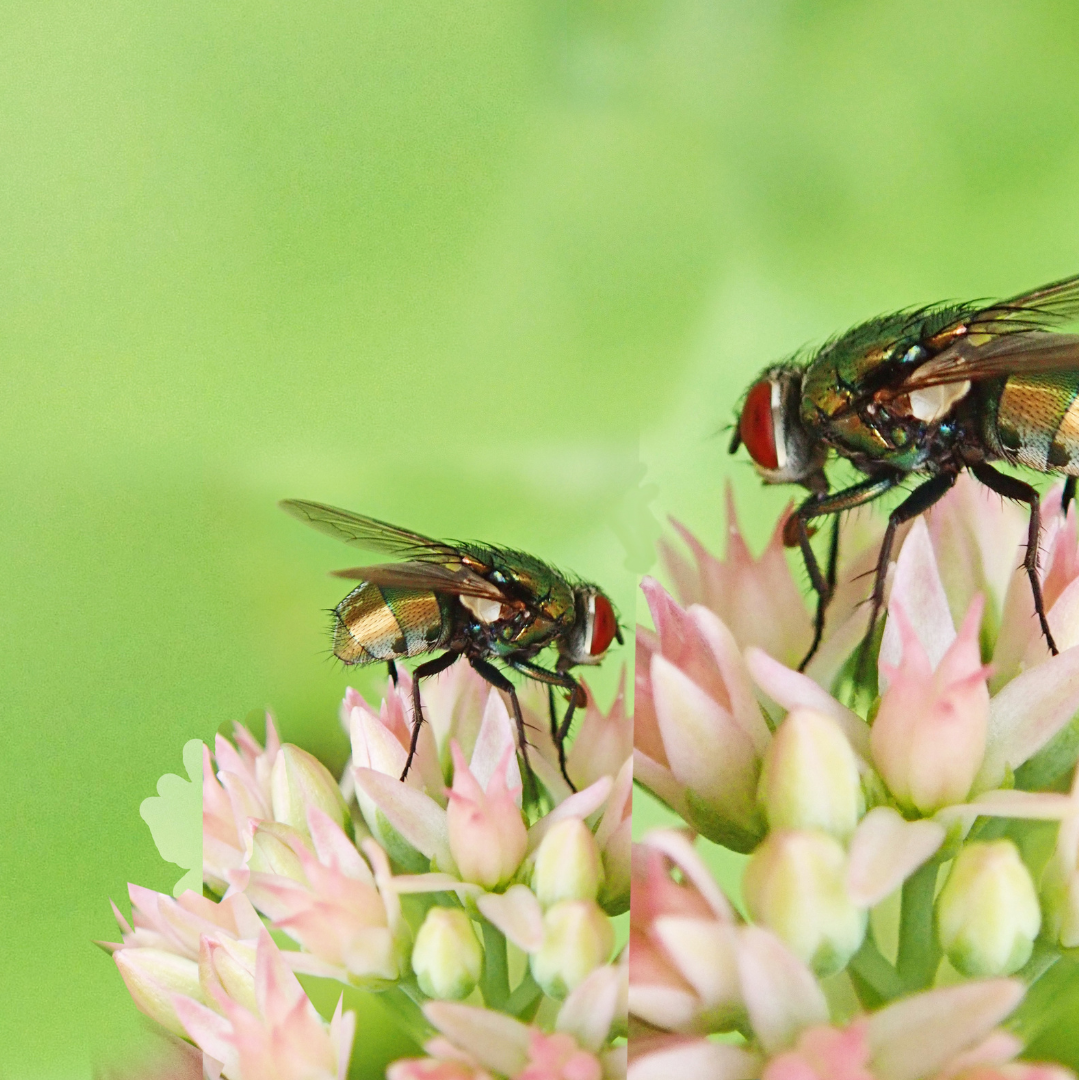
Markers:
point(442, 264)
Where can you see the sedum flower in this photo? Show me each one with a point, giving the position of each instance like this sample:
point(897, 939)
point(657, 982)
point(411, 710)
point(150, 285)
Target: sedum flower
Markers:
point(699, 734)
point(238, 792)
point(486, 833)
point(988, 911)
point(577, 939)
point(683, 962)
point(153, 976)
point(929, 735)
point(447, 957)
point(795, 884)
point(568, 865)
point(262, 1024)
point(810, 777)
point(344, 913)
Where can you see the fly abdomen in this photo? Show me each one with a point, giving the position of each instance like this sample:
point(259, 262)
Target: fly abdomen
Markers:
point(1031, 419)
point(377, 623)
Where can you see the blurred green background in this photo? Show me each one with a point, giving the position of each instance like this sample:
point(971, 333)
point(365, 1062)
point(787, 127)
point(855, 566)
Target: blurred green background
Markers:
point(493, 270)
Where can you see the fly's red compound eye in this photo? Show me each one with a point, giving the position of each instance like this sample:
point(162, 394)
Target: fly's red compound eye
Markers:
point(603, 625)
point(756, 425)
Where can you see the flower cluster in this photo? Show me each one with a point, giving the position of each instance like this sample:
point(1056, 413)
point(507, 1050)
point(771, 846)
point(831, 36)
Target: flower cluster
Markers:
point(439, 891)
point(900, 851)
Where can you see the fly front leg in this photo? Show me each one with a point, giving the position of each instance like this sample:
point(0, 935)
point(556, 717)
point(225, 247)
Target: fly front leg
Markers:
point(1011, 488)
point(432, 667)
point(821, 506)
point(490, 673)
point(920, 500)
point(577, 699)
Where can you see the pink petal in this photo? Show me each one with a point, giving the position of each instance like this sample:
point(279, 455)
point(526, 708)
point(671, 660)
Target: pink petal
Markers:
point(915, 1036)
point(680, 850)
point(418, 817)
point(781, 995)
point(1027, 713)
point(497, 1041)
point(695, 1058)
point(917, 586)
point(581, 804)
point(885, 850)
point(708, 750)
point(517, 914)
point(793, 690)
point(495, 736)
point(590, 1010)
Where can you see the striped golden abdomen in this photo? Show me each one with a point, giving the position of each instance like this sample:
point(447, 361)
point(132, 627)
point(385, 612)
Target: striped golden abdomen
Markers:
point(1034, 420)
point(377, 623)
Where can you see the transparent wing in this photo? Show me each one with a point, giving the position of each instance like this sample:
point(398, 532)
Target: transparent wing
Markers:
point(1029, 352)
point(366, 532)
point(419, 575)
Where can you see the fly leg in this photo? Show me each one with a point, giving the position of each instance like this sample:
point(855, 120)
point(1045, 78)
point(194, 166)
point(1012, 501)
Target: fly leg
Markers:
point(577, 700)
point(1011, 488)
point(1068, 493)
point(490, 673)
point(820, 506)
point(432, 667)
point(920, 500)
point(391, 668)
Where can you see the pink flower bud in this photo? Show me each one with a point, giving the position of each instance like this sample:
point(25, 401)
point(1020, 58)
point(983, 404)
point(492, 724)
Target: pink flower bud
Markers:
point(487, 836)
point(929, 736)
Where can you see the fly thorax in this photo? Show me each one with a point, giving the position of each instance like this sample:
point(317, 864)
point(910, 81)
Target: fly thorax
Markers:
point(771, 428)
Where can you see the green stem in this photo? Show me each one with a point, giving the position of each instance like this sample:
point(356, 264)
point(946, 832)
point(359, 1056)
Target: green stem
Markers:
point(918, 953)
point(495, 978)
point(525, 999)
point(874, 978)
point(402, 1003)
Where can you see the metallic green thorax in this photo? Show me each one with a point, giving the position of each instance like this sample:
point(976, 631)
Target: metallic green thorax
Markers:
point(840, 374)
point(535, 581)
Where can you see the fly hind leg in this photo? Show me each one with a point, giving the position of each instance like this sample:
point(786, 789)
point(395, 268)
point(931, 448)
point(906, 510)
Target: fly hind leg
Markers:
point(1012, 488)
point(490, 673)
point(432, 667)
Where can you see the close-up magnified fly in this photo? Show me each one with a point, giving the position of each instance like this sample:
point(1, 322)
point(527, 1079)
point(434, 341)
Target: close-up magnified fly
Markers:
point(467, 599)
point(926, 392)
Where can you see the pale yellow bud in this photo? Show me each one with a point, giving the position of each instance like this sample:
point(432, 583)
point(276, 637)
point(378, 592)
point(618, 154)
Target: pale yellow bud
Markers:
point(988, 912)
point(810, 777)
point(299, 780)
point(578, 938)
point(795, 885)
point(447, 956)
point(568, 864)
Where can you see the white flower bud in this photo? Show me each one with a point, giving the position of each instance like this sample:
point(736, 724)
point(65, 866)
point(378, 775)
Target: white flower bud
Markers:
point(568, 864)
point(299, 780)
point(988, 912)
point(272, 850)
point(152, 976)
point(447, 956)
point(795, 885)
point(578, 938)
point(810, 777)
